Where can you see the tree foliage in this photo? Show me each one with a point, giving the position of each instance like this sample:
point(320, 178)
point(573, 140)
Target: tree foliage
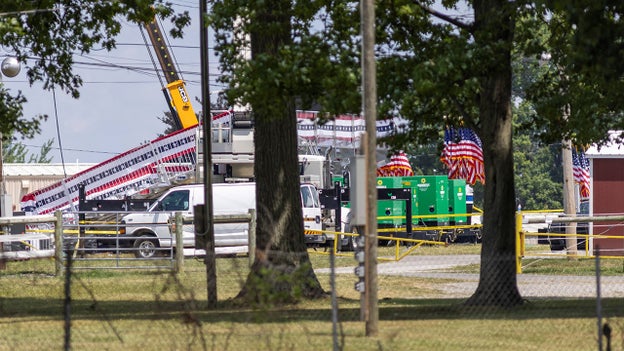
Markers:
point(45, 35)
point(583, 75)
point(320, 64)
point(17, 152)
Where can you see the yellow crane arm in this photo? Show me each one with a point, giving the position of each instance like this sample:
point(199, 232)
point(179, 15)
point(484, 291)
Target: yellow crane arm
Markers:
point(176, 94)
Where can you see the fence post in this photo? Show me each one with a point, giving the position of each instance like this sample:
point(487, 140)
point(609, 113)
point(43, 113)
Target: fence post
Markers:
point(251, 240)
point(58, 243)
point(179, 256)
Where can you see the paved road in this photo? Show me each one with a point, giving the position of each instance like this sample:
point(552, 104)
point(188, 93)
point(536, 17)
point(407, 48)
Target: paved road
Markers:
point(460, 285)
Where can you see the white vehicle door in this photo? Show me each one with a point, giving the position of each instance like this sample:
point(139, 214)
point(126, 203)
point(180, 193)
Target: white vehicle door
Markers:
point(227, 199)
point(311, 206)
point(233, 199)
point(175, 201)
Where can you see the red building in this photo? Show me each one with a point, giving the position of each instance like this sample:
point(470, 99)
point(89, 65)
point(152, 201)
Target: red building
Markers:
point(607, 195)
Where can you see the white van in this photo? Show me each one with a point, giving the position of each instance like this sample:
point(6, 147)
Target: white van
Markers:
point(151, 232)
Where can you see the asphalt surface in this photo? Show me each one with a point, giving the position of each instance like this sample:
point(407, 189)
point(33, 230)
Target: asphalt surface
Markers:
point(463, 285)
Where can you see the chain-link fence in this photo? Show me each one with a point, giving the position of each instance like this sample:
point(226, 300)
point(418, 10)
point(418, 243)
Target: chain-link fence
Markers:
point(422, 303)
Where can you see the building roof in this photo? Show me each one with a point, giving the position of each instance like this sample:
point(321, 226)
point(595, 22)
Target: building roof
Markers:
point(613, 149)
point(43, 169)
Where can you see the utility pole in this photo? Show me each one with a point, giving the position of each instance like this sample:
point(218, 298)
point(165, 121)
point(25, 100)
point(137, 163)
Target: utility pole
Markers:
point(569, 201)
point(208, 225)
point(369, 98)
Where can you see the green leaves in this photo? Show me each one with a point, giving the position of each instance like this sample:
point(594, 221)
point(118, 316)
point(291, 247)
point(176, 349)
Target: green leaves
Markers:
point(318, 64)
point(584, 41)
point(45, 38)
point(16, 152)
point(11, 112)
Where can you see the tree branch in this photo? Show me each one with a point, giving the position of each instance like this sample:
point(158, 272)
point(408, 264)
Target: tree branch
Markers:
point(466, 117)
point(444, 17)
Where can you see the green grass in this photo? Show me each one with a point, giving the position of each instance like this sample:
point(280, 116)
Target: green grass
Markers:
point(145, 310)
point(579, 266)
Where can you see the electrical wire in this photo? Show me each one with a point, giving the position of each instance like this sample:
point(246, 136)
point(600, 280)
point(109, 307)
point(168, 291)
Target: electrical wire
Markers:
point(162, 85)
point(173, 56)
point(58, 132)
point(77, 150)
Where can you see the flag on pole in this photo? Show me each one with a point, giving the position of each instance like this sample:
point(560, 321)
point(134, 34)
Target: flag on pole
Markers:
point(398, 166)
point(580, 170)
point(463, 155)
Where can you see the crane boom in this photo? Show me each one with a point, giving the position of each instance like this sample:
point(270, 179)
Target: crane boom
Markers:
point(175, 93)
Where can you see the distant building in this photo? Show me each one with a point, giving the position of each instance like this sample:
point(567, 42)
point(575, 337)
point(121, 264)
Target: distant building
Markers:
point(23, 178)
point(607, 194)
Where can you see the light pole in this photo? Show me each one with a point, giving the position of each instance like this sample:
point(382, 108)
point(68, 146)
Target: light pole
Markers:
point(10, 68)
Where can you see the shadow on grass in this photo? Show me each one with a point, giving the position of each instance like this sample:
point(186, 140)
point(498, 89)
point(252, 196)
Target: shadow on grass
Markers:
point(317, 310)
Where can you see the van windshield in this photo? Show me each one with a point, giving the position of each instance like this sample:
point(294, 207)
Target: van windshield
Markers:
point(174, 201)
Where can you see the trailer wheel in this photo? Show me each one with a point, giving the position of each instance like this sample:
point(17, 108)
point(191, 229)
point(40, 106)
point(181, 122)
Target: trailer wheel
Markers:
point(145, 247)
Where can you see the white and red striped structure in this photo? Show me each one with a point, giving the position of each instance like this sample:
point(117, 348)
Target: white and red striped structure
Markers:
point(131, 171)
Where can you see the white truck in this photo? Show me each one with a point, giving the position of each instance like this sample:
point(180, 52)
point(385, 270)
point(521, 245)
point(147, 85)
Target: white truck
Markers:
point(148, 232)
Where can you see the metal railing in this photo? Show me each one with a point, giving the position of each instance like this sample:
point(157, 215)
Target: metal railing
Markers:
point(587, 252)
point(100, 244)
point(33, 245)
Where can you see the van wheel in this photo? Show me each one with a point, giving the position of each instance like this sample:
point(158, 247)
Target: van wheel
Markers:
point(145, 247)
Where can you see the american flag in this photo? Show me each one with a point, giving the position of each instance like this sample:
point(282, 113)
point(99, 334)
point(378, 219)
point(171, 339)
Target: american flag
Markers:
point(463, 155)
point(398, 166)
point(580, 170)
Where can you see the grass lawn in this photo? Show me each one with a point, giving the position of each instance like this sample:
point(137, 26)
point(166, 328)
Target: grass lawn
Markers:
point(155, 310)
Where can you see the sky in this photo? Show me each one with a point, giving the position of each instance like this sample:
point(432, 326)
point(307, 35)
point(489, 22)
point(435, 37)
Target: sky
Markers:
point(119, 106)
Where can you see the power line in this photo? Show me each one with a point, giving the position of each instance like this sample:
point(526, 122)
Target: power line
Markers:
point(148, 71)
point(75, 150)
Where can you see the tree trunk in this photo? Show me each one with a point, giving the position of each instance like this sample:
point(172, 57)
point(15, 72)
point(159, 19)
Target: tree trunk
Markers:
point(497, 282)
point(282, 272)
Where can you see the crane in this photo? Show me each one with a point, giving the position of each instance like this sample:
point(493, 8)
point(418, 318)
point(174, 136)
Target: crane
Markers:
point(175, 91)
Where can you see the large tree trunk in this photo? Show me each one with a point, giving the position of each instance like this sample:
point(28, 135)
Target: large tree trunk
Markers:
point(497, 282)
point(282, 272)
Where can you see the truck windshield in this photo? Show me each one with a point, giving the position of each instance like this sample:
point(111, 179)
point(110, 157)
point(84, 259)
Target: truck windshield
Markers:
point(309, 197)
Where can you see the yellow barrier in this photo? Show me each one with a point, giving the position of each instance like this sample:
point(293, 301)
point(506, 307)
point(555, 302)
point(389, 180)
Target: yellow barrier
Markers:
point(397, 243)
point(76, 231)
